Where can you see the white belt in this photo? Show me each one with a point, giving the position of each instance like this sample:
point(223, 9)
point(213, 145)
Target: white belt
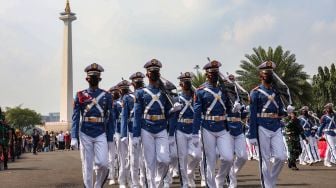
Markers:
point(329, 129)
point(306, 129)
point(267, 115)
point(94, 119)
point(154, 117)
point(233, 119)
point(187, 121)
point(214, 118)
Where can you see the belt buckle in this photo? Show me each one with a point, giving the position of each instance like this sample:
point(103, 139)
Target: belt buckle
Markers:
point(154, 118)
point(273, 115)
point(91, 119)
point(216, 118)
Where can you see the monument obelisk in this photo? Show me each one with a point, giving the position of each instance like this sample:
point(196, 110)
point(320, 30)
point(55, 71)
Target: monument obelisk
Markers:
point(67, 86)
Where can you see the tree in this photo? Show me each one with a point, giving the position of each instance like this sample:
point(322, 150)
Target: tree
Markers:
point(199, 78)
point(22, 118)
point(324, 88)
point(287, 69)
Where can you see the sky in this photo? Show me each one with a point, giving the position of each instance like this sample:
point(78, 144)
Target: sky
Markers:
point(122, 35)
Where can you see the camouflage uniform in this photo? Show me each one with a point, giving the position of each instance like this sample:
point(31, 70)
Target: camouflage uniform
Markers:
point(293, 131)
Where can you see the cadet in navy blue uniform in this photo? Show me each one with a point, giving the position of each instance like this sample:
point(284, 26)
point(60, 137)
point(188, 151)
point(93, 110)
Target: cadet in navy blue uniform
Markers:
point(127, 102)
point(314, 137)
point(266, 111)
point(210, 109)
point(95, 129)
point(116, 111)
point(151, 111)
point(236, 127)
point(182, 127)
point(305, 121)
point(136, 156)
point(328, 127)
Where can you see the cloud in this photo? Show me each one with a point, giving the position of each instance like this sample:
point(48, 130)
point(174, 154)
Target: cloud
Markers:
point(244, 30)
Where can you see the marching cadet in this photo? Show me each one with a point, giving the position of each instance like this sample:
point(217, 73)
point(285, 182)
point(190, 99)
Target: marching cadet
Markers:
point(210, 109)
point(136, 157)
point(266, 110)
point(181, 130)
point(328, 127)
point(236, 127)
point(95, 129)
point(306, 155)
point(314, 139)
point(151, 111)
point(116, 111)
point(293, 131)
point(126, 124)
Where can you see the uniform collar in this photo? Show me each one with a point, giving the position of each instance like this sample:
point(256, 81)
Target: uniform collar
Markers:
point(91, 90)
point(151, 86)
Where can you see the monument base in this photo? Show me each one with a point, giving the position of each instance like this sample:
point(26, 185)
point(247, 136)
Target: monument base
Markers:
point(57, 126)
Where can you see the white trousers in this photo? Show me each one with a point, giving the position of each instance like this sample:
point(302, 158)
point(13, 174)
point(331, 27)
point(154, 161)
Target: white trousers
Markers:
point(124, 171)
point(240, 158)
point(136, 164)
point(111, 159)
point(186, 149)
point(271, 145)
point(173, 164)
point(221, 140)
point(94, 153)
point(331, 150)
point(306, 155)
point(156, 155)
point(315, 150)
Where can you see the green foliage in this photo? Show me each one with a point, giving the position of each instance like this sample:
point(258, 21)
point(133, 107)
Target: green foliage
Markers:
point(324, 88)
point(199, 79)
point(287, 69)
point(22, 118)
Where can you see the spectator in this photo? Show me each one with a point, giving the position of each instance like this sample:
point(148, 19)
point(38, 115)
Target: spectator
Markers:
point(46, 141)
point(67, 140)
point(36, 139)
point(60, 139)
point(52, 141)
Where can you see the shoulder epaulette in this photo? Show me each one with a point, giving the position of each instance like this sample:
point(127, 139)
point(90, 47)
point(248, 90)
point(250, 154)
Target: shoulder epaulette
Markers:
point(200, 87)
point(256, 88)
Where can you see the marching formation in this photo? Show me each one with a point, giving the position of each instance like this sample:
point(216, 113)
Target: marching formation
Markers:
point(146, 135)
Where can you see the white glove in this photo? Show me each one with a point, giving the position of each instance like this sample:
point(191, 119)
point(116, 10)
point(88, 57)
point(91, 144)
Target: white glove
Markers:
point(195, 140)
point(176, 107)
point(253, 141)
point(136, 141)
point(236, 107)
point(123, 139)
point(74, 143)
point(171, 140)
point(290, 108)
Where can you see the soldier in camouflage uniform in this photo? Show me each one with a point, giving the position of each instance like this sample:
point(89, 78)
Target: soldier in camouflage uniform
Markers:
point(293, 131)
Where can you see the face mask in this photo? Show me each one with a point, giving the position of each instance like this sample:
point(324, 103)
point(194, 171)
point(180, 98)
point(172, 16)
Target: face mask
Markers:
point(305, 113)
point(115, 95)
point(124, 91)
point(214, 78)
point(154, 76)
point(138, 84)
point(268, 79)
point(93, 80)
point(187, 85)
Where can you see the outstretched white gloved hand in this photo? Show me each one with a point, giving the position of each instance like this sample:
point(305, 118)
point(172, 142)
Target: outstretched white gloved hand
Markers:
point(290, 108)
point(236, 107)
point(74, 143)
point(123, 139)
point(136, 141)
point(253, 141)
point(176, 107)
